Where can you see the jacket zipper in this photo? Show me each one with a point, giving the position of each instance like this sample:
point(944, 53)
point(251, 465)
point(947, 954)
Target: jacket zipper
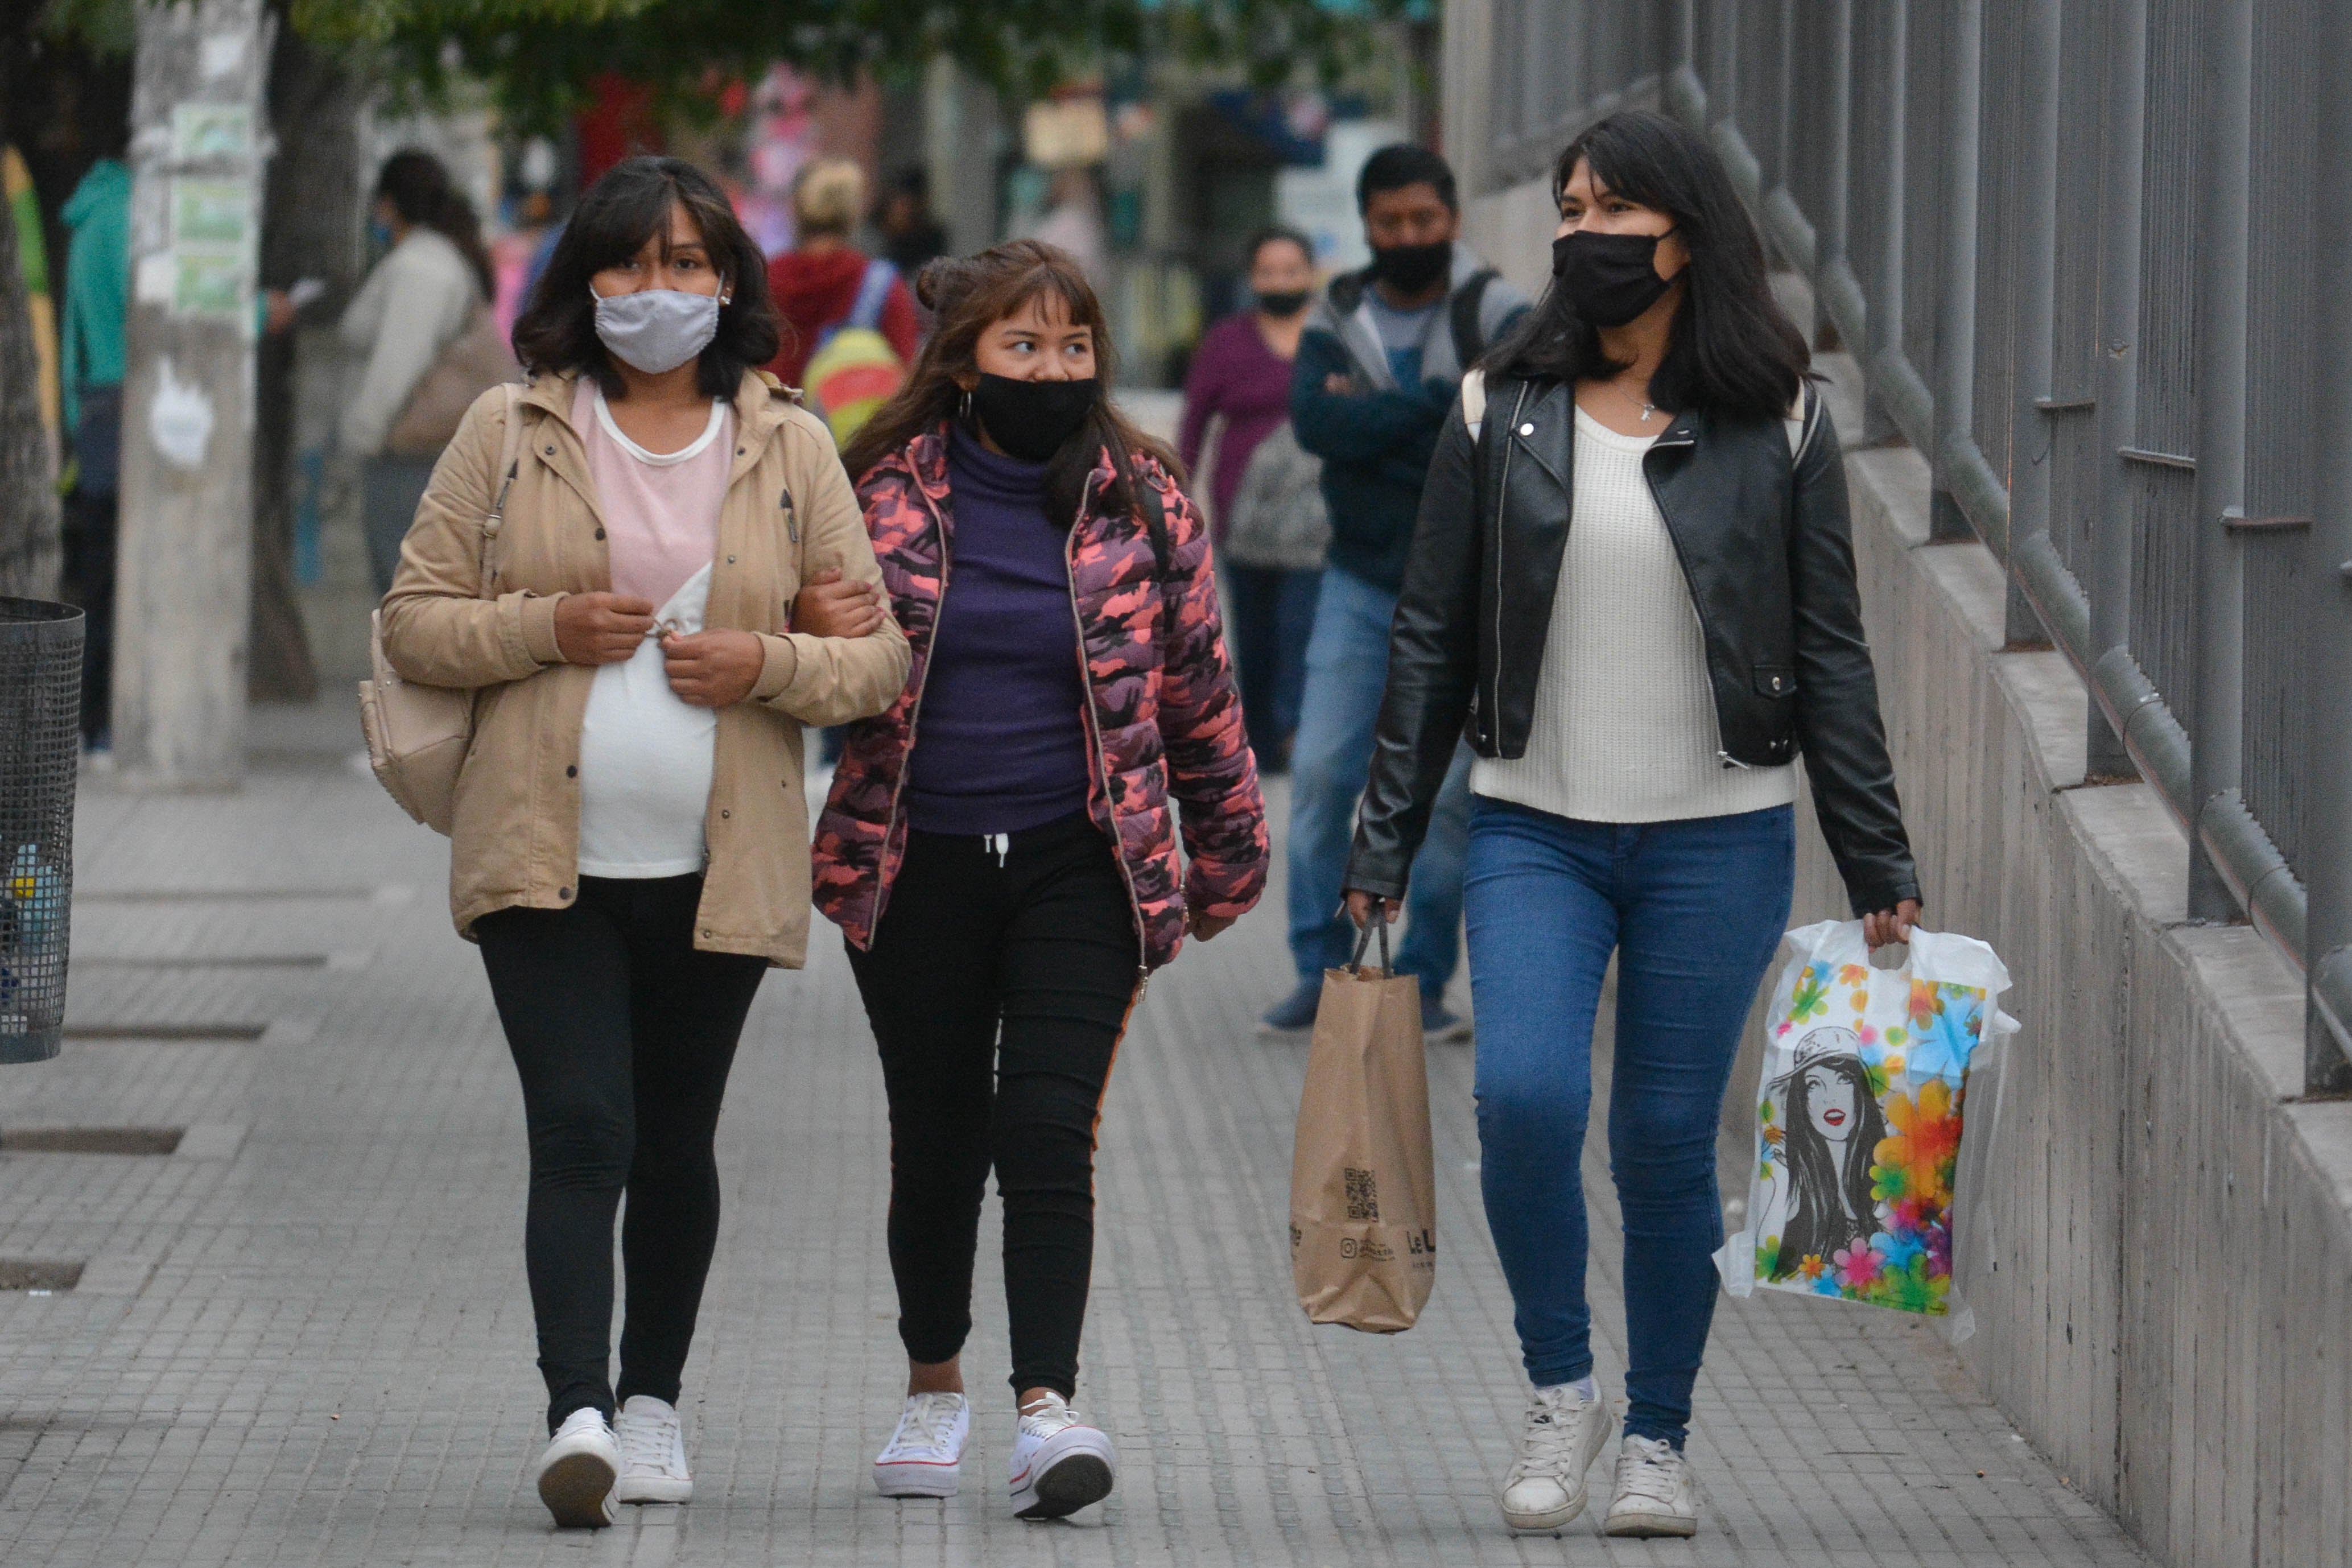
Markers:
point(1502, 499)
point(914, 714)
point(1094, 734)
point(1698, 612)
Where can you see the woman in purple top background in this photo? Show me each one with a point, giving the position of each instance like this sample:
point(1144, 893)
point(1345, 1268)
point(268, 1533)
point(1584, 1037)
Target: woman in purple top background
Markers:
point(1241, 371)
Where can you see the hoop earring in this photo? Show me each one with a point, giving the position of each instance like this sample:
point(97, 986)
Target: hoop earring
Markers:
point(967, 403)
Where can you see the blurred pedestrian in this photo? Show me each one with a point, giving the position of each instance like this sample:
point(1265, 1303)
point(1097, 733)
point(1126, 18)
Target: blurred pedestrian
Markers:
point(910, 234)
point(623, 850)
point(1005, 870)
point(420, 298)
point(1271, 560)
point(1378, 367)
point(1644, 623)
point(97, 318)
point(825, 284)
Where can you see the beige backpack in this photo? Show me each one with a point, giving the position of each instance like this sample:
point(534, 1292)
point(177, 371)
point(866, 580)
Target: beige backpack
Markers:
point(468, 364)
point(417, 736)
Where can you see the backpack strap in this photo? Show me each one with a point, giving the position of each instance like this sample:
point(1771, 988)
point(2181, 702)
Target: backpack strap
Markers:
point(1803, 421)
point(1469, 338)
point(873, 293)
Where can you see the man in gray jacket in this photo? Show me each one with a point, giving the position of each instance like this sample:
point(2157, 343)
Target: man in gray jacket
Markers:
point(1378, 367)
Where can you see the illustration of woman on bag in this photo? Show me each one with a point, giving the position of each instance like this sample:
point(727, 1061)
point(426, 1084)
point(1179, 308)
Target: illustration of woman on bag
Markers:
point(1831, 1126)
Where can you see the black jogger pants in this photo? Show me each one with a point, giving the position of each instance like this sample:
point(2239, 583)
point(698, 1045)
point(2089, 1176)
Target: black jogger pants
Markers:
point(998, 985)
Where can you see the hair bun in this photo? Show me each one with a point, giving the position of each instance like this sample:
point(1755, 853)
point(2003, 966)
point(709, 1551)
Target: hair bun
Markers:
point(943, 280)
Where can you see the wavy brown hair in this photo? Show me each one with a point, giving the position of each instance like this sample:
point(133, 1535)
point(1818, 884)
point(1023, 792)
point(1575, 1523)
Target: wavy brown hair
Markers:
point(967, 296)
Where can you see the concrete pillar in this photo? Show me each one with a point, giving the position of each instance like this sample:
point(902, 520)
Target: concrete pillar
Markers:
point(199, 143)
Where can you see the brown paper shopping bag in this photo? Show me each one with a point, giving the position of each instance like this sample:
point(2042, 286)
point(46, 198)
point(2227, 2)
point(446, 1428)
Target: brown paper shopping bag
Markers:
point(1363, 1199)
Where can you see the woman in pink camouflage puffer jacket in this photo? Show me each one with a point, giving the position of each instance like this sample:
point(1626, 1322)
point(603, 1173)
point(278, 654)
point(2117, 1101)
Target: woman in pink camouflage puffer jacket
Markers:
point(1006, 869)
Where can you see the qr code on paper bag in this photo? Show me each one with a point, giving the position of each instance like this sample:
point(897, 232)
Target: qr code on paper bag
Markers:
point(1363, 1197)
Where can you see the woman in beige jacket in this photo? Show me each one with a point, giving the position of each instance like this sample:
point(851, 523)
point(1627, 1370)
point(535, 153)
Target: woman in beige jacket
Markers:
point(630, 836)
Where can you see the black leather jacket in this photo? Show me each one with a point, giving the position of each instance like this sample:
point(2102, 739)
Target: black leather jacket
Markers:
point(1766, 549)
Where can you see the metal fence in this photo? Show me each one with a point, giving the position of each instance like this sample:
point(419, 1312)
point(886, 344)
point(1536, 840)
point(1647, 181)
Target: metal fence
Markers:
point(2093, 262)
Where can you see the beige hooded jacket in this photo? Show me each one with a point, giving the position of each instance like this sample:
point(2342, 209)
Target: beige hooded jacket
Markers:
point(789, 512)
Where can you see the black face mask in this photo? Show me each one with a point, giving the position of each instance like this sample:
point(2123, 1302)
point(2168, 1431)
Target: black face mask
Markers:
point(1031, 419)
point(1609, 278)
point(1288, 303)
point(1412, 268)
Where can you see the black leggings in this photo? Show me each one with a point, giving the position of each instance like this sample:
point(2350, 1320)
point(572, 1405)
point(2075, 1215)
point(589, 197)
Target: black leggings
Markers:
point(998, 992)
point(623, 1033)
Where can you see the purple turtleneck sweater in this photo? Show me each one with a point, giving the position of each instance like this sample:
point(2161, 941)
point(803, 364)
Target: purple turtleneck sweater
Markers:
point(1000, 743)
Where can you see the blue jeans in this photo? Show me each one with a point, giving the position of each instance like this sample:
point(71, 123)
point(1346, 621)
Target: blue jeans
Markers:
point(1694, 910)
point(1347, 669)
point(1274, 615)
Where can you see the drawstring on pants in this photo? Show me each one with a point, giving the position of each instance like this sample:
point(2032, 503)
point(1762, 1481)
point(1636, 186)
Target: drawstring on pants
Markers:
point(998, 844)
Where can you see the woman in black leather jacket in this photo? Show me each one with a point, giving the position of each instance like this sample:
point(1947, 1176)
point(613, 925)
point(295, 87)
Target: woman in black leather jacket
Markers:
point(1633, 583)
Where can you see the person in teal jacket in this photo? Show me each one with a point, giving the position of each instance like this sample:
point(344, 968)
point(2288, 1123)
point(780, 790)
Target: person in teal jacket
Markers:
point(97, 309)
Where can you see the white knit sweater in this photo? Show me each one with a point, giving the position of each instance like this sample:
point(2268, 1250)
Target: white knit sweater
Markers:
point(1624, 728)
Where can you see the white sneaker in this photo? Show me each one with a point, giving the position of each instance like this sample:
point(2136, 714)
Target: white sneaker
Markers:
point(653, 1453)
point(1565, 1431)
point(576, 1473)
point(1059, 1463)
point(924, 1457)
point(1653, 1491)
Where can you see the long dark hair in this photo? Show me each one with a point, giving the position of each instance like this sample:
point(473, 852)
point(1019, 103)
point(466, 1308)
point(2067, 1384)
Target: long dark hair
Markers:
point(631, 204)
point(1732, 350)
point(422, 193)
point(968, 297)
point(1834, 1208)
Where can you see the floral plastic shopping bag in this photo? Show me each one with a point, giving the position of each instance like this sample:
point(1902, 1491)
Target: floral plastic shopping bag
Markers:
point(1858, 1117)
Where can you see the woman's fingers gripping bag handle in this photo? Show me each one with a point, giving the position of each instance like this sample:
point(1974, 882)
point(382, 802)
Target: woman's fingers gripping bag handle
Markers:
point(1859, 1114)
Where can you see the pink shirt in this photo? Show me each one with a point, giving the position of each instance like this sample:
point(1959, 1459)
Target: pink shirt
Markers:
point(661, 509)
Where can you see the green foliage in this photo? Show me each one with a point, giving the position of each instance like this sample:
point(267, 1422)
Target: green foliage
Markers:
point(101, 26)
point(539, 56)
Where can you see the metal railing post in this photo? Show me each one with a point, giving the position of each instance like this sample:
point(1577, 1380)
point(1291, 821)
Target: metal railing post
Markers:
point(1830, 257)
point(2037, 309)
point(2215, 761)
point(1956, 281)
point(2124, 155)
point(1885, 320)
point(2327, 817)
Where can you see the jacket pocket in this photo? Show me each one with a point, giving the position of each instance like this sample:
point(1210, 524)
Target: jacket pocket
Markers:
point(1774, 681)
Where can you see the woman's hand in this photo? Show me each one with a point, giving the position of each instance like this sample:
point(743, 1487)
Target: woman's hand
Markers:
point(1891, 925)
point(712, 669)
point(1359, 908)
point(601, 628)
point(827, 607)
point(1205, 927)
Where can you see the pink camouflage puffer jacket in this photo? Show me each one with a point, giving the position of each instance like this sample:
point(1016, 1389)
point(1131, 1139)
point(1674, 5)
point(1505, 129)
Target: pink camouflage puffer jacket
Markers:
point(1165, 720)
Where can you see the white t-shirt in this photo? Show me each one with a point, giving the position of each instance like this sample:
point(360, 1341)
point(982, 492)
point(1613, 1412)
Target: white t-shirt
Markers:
point(1624, 725)
point(647, 756)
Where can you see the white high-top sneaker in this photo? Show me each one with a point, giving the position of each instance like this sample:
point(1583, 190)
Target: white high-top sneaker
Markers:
point(924, 1457)
point(1564, 1433)
point(653, 1453)
point(1059, 1463)
point(577, 1471)
point(1654, 1496)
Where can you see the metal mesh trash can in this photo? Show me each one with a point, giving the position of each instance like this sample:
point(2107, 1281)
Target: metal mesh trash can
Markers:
point(40, 732)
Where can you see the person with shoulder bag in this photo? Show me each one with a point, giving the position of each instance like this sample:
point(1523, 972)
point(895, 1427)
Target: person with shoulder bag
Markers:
point(646, 570)
point(1270, 526)
point(423, 321)
point(1632, 584)
point(1000, 847)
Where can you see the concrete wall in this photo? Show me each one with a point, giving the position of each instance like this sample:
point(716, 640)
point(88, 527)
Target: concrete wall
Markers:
point(2157, 1239)
point(2155, 1233)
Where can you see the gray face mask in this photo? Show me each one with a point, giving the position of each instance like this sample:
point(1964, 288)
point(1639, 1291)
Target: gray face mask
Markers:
point(657, 329)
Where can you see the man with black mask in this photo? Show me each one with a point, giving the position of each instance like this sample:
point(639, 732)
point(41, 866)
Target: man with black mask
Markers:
point(1378, 368)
